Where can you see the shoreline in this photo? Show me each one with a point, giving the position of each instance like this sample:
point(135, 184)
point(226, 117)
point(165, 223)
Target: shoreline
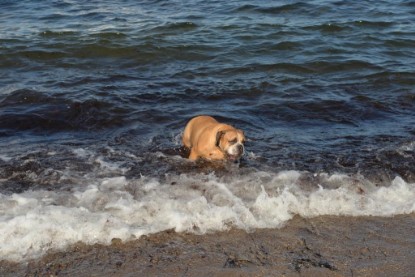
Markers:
point(320, 246)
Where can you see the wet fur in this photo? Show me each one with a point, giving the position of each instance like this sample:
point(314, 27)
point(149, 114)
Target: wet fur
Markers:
point(208, 139)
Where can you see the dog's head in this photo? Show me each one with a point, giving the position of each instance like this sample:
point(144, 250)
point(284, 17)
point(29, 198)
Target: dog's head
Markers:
point(231, 142)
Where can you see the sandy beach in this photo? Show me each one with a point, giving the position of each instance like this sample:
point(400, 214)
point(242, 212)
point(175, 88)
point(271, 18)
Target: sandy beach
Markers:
point(322, 246)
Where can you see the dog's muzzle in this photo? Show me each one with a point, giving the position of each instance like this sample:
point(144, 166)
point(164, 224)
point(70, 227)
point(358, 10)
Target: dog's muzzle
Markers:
point(235, 152)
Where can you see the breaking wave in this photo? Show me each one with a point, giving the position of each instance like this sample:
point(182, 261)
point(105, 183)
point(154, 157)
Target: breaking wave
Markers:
point(96, 211)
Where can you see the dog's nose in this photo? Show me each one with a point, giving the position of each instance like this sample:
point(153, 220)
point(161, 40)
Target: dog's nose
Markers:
point(240, 148)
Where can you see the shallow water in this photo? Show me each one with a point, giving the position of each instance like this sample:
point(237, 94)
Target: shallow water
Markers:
point(94, 97)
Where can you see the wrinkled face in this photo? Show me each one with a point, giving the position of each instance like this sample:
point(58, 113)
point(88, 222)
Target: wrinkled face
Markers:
point(232, 143)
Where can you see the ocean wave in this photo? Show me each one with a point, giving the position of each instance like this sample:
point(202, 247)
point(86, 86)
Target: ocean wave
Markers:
point(272, 10)
point(98, 210)
point(33, 110)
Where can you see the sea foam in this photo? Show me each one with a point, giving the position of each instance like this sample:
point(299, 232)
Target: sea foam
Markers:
point(33, 222)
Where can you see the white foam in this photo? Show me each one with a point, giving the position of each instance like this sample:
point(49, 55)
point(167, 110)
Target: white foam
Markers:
point(96, 211)
point(5, 158)
point(406, 149)
point(82, 153)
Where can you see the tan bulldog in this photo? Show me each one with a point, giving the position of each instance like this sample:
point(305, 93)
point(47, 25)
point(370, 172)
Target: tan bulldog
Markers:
point(208, 139)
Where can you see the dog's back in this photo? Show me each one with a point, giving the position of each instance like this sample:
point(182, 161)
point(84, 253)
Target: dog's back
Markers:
point(199, 122)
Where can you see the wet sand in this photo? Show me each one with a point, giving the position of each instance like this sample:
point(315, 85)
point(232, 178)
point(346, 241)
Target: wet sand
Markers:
point(322, 246)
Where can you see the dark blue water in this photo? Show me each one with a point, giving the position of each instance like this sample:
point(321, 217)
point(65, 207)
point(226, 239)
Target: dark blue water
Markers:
point(317, 86)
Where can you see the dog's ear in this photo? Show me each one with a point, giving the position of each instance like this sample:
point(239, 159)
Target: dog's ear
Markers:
point(219, 135)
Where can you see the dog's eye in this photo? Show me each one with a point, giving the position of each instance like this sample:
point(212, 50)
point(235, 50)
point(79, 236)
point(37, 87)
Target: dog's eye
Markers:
point(233, 141)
